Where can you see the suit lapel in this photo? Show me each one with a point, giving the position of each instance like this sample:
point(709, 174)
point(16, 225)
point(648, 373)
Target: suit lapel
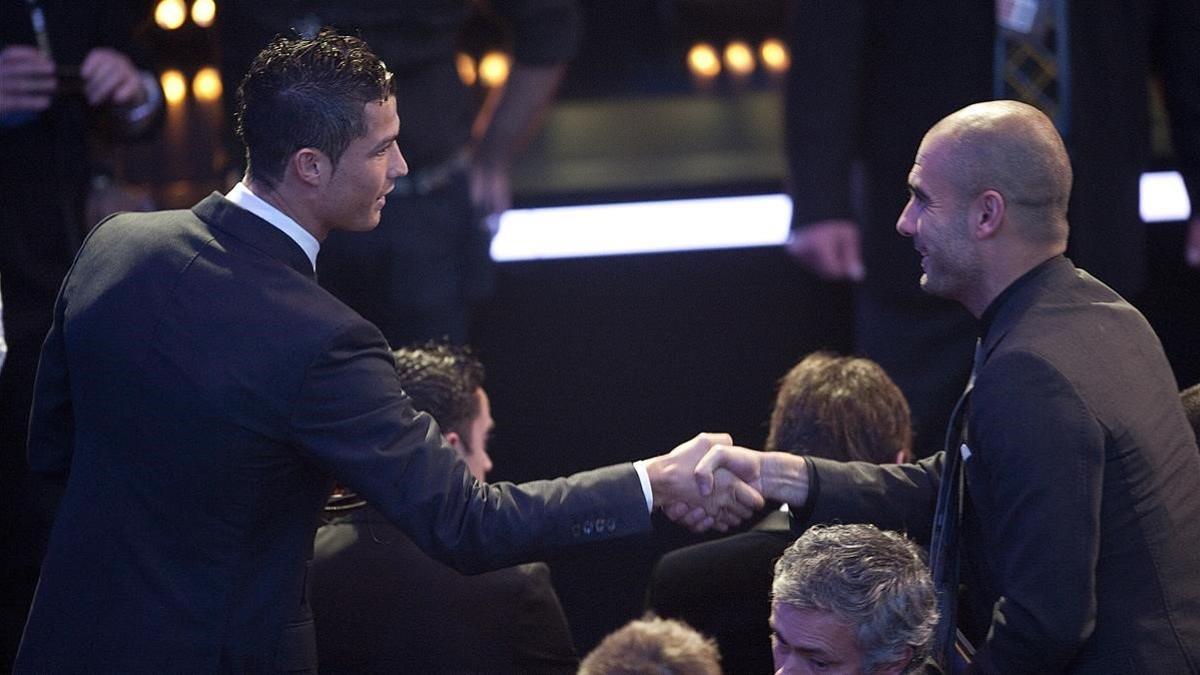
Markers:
point(224, 215)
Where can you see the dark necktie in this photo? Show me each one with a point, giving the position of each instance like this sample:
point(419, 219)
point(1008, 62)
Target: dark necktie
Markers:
point(951, 652)
point(1031, 56)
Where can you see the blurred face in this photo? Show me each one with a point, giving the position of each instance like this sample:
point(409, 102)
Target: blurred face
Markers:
point(472, 447)
point(812, 641)
point(356, 188)
point(936, 219)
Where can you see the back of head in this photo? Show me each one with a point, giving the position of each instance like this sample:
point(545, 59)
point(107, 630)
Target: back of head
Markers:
point(653, 646)
point(874, 580)
point(441, 379)
point(1014, 149)
point(306, 93)
point(840, 408)
point(1191, 405)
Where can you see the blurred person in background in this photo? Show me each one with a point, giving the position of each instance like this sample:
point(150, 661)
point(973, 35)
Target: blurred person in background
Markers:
point(68, 72)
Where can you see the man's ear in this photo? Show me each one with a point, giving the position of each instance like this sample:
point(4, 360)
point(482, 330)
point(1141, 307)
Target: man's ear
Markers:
point(455, 441)
point(987, 214)
point(311, 166)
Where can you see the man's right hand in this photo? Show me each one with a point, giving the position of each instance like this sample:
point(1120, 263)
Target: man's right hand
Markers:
point(727, 502)
point(829, 248)
point(780, 476)
point(27, 80)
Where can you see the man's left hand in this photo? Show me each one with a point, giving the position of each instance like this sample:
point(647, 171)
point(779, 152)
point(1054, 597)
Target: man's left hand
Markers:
point(110, 77)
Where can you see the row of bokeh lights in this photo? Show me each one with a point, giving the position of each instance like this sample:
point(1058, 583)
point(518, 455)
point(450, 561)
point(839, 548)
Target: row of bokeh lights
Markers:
point(491, 70)
point(737, 59)
point(172, 14)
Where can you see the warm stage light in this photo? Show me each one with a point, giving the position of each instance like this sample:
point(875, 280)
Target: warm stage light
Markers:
point(170, 14)
point(774, 55)
point(466, 69)
point(703, 61)
point(739, 60)
point(207, 84)
point(493, 69)
point(203, 12)
point(174, 87)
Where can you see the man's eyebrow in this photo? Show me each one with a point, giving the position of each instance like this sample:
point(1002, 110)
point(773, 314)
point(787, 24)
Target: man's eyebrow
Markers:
point(386, 142)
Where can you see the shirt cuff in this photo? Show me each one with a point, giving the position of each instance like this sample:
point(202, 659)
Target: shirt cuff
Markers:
point(137, 114)
point(640, 467)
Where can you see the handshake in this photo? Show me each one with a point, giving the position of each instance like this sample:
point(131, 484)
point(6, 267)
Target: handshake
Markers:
point(709, 483)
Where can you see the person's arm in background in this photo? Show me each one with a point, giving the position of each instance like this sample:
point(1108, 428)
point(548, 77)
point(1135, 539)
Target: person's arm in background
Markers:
point(823, 96)
point(1176, 29)
point(545, 36)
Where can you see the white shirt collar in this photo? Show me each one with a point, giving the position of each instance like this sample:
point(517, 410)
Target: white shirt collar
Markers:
point(243, 197)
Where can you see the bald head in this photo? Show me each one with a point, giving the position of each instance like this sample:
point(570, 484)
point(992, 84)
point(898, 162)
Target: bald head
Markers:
point(1014, 149)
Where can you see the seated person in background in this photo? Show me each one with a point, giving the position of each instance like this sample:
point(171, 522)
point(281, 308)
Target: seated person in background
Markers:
point(838, 407)
point(653, 646)
point(1191, 406)
point(383, 605)
point(852, 599)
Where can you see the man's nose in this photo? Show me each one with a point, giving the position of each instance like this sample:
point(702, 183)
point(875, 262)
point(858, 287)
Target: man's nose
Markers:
point(903, 223)
point(399, 166)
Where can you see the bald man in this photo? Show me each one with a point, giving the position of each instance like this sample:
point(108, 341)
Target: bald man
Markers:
point(1080, 522)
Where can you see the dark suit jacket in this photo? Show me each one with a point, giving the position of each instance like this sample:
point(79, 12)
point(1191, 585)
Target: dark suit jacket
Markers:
point(198, 390)
point(1082, 513)
point(382, 605)
point(722, 588)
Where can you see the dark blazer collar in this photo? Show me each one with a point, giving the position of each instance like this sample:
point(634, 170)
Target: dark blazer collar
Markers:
point(253, 231)
point(1022, 294)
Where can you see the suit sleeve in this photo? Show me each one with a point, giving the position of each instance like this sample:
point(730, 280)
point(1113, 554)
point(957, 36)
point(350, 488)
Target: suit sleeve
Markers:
point(898, 497)
point(353, 419)
point(827, 43)
point(1035, 479)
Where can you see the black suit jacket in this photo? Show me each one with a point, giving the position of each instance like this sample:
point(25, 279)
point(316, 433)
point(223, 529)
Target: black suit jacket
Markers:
point(1082, 513)
point(197, 391)
point(723, 589)
point(382, 605)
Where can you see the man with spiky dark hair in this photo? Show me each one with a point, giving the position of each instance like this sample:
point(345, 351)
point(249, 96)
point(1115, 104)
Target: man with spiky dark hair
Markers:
point(198, 393)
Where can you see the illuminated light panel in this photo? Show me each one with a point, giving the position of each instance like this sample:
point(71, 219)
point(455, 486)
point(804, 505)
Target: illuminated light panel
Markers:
point(703, 62)
point(206, 85)
point(174, 86)
point(642, 227)
point(739, 60)
point(203, 12)
point(715, 223)
point(170, 14)
point(774, 55)
point(466, 69)
point(1164, 197)
point(493, 69)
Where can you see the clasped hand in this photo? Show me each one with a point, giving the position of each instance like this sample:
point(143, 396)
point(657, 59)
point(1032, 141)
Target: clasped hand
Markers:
point(711, 497)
